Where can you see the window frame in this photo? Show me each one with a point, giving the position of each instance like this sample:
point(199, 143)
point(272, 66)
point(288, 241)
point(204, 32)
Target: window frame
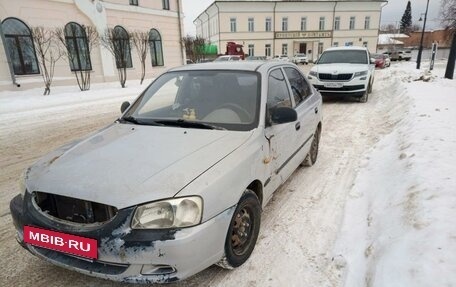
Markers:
point(303, 23)
point(19, 48)
point(268, 24)
point(321, 24)
point(367, 23)
point(154, 56)
point(77, 48)
point(251, 24)
point(233, 25)
point(133, 2)
point(129, 63)
point(337, 23)
point(284, 23)
point(165, 4)
point(267, 48)
point(284, 48)
point(251, 48)
point(352, 23)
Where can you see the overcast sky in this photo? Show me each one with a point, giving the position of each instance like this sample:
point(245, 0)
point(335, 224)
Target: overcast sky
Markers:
point(392, 12)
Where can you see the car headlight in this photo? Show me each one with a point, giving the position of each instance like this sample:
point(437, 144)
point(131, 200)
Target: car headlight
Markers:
point(170, 213)
point(359, 74)
point(313, 73)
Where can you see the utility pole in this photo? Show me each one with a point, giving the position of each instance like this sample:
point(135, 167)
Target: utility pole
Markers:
point(418, 59)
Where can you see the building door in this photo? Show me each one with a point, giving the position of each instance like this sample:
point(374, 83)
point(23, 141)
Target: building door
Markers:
point(302, 48)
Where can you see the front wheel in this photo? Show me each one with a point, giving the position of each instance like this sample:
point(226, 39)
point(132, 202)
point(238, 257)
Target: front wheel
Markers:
point(243, 231)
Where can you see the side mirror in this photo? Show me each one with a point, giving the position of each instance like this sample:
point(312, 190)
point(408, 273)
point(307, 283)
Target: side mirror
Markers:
point(283, 115)
point(124, 107)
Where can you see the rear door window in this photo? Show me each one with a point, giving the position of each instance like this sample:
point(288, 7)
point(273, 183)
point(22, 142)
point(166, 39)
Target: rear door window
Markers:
point(278, 93)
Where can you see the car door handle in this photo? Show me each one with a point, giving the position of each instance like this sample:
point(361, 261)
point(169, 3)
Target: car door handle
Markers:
point(316, 110)
point(298, 126)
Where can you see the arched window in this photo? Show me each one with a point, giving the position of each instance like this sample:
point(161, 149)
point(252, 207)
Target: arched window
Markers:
point(20, 47)
point(122, 48)
point(78, 49)
point(156, 50)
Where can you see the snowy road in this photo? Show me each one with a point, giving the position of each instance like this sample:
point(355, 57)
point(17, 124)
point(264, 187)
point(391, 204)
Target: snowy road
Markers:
point(299, 226)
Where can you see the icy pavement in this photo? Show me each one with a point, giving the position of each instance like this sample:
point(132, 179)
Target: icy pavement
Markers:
point(399, 227)
point(350, 220)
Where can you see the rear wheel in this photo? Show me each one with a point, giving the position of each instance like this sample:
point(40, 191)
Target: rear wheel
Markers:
point(312, 156)
point(242, 232)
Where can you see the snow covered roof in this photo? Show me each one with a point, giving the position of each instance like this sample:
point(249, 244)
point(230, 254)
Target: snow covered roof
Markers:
point(391, 39)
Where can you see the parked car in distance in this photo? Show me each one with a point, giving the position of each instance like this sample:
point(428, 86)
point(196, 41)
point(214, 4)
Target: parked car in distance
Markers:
point(300, 58)
point(179, 181)
point(205, 60)
point(256, 58)
point(344, 71)
point(405, 55)
point(227, 58)
point(380, 61)
point(281, 58)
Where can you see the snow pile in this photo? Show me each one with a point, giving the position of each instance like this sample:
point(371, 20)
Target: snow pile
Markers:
point(390, 39)
point(399, 225)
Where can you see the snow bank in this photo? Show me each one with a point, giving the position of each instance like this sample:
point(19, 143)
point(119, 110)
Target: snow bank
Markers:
point(399, 225)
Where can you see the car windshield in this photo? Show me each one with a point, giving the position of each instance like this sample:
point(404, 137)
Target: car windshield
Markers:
point(343, 56)
point(200, 99)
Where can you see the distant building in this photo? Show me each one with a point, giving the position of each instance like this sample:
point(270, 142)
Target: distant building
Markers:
point(159, 18)
point(441, 37)
point(269, 28)
point(391, 41)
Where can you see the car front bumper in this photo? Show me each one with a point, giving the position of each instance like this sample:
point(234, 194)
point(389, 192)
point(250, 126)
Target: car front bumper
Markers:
point(126, 255)
point(355, 86)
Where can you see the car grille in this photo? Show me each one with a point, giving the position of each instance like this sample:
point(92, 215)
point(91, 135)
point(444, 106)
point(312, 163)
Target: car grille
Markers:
point(344, 88)
point(72, 209)
point(338, 77)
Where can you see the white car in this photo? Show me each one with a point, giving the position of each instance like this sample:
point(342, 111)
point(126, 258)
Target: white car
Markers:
point(300, 58)
point(344, 71)
point(228, 58)
point(178, 182)
point(283, 58)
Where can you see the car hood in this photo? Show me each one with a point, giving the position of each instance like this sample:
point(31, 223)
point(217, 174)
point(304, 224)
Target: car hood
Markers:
point(124, 165)
point(339, 68)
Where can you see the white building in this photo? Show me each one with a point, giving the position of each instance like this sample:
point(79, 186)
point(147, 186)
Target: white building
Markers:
point(19, 68)
point(268, 28)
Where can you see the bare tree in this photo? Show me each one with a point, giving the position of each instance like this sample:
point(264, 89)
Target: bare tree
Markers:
point(117, 42)
point(79, 60)
point(194, 47)
point(188, 42)
point(140, 40)
point(448, 20)
point(388, 28)
point(48, 53)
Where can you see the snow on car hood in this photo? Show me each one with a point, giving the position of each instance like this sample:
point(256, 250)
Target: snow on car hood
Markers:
point(124, 165)
point(339, 68)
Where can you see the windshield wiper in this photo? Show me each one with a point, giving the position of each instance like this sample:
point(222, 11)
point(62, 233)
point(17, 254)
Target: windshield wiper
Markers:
point(189, 124)
point(137, 121)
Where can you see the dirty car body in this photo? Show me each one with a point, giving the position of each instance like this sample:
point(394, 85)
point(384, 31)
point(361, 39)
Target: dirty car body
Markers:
point(158, 188)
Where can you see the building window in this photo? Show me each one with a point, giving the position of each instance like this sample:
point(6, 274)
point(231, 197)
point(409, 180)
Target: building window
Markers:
point(284, 49)
point(367, 22)
point(156, 49)
point(267, 50)
point(121, 41)
point(165, 4)
point(336, 44)
point(233, 24)
point(322, 23)
point(365, 44)
point(352, 23)
point(268, 24)
point(303, 23)
point(134, 2)
point(251, 25)
point(19, 46)
point(285, 24)
point(251, 50)
point(78, 49)
point(320, 48)
point(348, 43)
point(337, 23)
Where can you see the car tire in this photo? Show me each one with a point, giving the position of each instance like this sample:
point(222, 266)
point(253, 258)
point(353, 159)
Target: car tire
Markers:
point(370, 87)
point(242, 232)
point(365, 96)
point(311, 157)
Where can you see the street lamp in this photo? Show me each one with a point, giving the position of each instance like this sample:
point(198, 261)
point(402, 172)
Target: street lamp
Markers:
point(418, 59)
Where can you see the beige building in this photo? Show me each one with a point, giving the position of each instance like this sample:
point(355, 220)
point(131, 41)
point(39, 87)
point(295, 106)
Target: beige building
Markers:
point(269, 28)
point(18, 64)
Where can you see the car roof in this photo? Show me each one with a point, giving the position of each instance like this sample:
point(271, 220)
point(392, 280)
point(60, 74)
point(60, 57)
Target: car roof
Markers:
point(346, 48)
point(236, 65)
